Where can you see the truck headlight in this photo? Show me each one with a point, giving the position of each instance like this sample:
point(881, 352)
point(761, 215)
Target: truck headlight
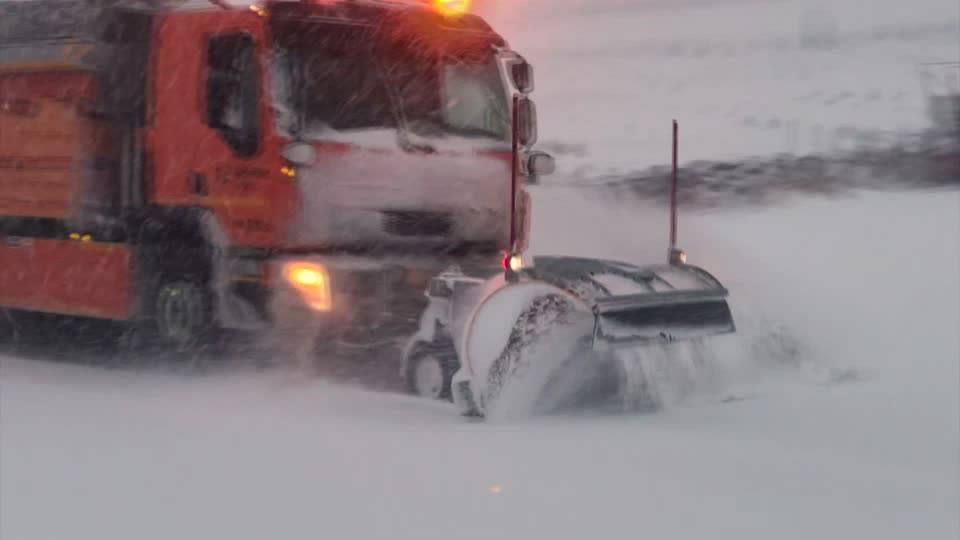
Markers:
point(312, 281)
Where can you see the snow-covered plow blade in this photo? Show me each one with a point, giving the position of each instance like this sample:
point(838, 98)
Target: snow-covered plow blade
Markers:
point(555, 330)
point(656, 317)
point(674, 302)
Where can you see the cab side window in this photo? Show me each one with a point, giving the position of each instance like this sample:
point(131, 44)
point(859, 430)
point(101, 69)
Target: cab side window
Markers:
point(233, 91)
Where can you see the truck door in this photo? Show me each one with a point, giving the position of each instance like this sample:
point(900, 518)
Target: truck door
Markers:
point(213, 140)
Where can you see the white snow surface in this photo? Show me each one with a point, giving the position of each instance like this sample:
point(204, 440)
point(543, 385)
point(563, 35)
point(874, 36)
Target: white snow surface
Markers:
point(839, 412)
point(742, 77)
point(852, 435)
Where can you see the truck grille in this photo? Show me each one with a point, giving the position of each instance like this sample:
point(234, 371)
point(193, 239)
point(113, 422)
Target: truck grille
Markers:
point(409, 223)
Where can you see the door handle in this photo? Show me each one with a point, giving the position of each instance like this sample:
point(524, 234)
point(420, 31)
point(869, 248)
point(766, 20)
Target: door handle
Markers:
point(197, 183)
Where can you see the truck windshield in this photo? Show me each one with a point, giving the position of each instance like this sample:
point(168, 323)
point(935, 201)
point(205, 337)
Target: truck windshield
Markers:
point(318, 92)
point(475, 99)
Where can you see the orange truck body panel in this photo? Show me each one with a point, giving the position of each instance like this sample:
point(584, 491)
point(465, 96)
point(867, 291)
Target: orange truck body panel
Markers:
point(66, 276)
point(47, 144)
point(49, 150)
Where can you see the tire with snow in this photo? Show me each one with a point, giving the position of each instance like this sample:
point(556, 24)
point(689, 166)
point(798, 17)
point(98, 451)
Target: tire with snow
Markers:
point(430, 371)
point(183, 313)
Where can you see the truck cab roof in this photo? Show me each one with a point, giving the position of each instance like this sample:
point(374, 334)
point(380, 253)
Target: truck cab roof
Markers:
point(84, 20)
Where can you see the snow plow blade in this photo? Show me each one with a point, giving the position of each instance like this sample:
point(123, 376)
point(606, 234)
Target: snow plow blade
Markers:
point(655, 304)
point(631, 320)
point(555, 329)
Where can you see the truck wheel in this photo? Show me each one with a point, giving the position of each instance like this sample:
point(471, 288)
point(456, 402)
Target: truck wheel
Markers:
point(430, 372)
point(183, 313)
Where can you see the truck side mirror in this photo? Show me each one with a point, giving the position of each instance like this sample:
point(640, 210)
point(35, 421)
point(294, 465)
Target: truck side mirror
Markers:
point(527, 122)
point(522, 75)
point(540, 164)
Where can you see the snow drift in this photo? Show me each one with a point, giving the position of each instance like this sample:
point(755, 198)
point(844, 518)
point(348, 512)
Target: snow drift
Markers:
point(857, 438)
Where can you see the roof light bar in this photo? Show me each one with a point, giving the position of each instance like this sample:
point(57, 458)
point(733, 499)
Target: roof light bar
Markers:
point(451, 8)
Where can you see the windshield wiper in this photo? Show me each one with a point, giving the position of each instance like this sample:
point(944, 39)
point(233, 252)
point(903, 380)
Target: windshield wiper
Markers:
point(411, 147)
point(403, 128)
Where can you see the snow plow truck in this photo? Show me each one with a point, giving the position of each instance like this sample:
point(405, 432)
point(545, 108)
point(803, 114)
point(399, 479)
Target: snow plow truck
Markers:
point(186, 168)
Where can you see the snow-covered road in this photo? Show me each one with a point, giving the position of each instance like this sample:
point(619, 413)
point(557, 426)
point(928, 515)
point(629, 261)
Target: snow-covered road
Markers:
point(840, 416)
point(854, 436)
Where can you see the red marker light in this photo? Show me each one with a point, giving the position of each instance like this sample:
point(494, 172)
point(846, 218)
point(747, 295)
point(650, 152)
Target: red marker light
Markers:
point(512, 262)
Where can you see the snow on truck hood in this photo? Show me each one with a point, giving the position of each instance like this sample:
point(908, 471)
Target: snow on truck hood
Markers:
point(370, 191)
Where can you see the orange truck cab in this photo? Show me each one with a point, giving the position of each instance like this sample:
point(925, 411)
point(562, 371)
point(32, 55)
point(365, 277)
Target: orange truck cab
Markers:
point(191, 167)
